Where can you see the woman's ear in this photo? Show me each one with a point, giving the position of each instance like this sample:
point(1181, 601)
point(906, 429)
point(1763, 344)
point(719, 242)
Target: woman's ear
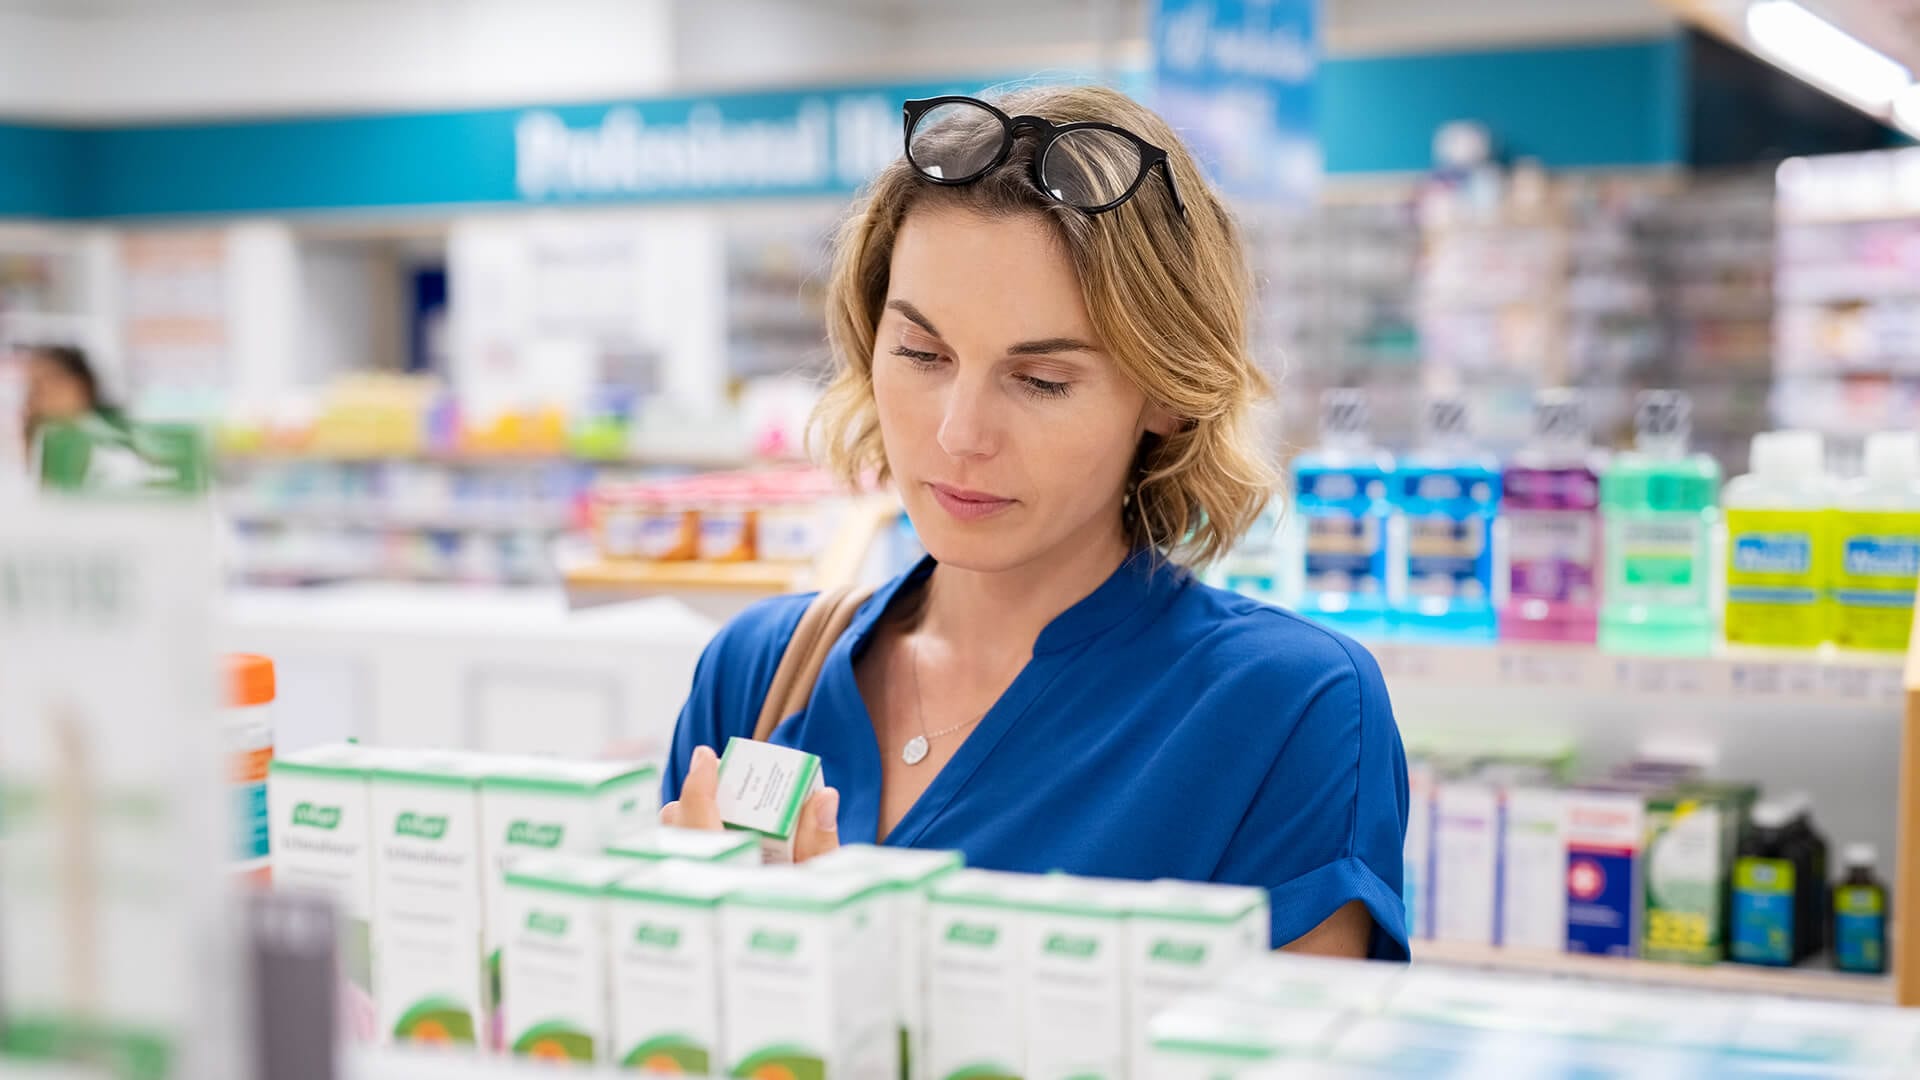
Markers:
point(1159, 421)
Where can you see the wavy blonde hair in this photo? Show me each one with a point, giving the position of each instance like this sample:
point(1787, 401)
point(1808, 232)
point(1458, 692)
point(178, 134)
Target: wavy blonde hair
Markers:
point(1168, 295)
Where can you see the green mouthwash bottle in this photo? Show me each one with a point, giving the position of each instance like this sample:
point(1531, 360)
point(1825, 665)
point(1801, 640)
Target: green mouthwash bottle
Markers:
point(1657, 505)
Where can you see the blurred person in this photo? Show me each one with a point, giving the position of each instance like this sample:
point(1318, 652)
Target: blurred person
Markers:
point(1040, 338)
point(62, 387)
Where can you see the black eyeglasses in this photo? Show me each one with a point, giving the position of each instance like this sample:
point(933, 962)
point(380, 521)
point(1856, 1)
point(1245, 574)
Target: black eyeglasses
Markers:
point(1090, 166)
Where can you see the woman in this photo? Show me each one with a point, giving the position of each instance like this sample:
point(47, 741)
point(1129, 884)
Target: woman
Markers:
point(61, 388)
point(1051, 366)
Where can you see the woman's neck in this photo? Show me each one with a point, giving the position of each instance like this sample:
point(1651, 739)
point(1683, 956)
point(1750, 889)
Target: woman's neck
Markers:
point(1004, 611)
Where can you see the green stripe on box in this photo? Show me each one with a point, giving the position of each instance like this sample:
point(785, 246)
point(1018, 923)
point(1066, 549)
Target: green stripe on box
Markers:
point(552, 785)
point(803, 786)
point(429, 779)
point(301, 768)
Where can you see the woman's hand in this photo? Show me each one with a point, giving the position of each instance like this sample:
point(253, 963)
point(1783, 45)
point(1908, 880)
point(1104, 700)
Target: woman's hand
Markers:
point(699, 808)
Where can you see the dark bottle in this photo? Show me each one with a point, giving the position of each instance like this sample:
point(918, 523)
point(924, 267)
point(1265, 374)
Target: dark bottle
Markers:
point(1860, 914)
point(1766, 890)
point(1813, 895)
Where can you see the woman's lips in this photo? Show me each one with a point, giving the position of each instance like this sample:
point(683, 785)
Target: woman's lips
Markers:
point(968, 505)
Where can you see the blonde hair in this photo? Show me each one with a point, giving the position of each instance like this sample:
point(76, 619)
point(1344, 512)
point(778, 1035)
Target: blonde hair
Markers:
point(1169, 296)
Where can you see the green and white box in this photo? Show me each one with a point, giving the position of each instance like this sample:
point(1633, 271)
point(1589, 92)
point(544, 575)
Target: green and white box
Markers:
point(799, 953)
point(662, 843)
point(665, 933)
point(909, 872)
point(1220, 1036)
point(763, 788)
point(429, 971)
point(977, 935)
point(1533, 870)
point(532, 805)
point(555, 966)
point(320, 831)
point(1183, 937)
point(1079, 1020)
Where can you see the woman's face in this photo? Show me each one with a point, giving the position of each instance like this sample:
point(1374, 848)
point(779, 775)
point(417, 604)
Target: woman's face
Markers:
point(53, 393)
point(1009, 429)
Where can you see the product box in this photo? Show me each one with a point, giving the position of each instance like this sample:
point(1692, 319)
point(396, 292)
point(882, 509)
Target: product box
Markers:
point(1693, 834)
point(1287, 981)
point(429, 967)
point(664, 924)
point(1605, 827)
point(320, 831)
point(1466, 861)
point(530, 806)
point(1219, 1036)
point(763, 788)
point(910, 873)
point(977, 935)
point(802, 957)
point(554, 970)
point(1079, 1021)
point(661, 843)
point(1182, 938)
point(1417, 876)
point(1533, 870)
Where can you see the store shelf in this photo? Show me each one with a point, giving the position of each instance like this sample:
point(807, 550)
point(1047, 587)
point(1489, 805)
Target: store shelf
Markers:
point(765, 577)
point(473, 459)
point(346, 518)
point(1811, 983)
point(1826, 676)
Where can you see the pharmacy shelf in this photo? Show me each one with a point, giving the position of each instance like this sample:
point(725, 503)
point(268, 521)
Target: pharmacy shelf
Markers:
point(1756, 675)
point(661, 458)
point(545, 519)
point(1809, 983)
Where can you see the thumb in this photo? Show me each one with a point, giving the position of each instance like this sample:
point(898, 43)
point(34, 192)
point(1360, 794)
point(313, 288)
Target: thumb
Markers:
point(819, 830)
point(699, 805)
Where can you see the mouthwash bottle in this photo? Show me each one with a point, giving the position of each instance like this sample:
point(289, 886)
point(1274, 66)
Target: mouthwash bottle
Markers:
point(1777, 552)
point(1860, 914)
point(1445, 497)
point(1657, 505)
point(1341, 495)
point(1551, 504)
point(1875, 538)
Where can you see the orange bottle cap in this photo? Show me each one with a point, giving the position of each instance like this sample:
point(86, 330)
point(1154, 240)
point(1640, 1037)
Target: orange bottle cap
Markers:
point(249, 679)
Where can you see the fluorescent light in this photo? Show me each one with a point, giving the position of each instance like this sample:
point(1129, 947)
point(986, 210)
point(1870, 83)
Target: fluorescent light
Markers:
point(1906, 110)
point(1825, 54)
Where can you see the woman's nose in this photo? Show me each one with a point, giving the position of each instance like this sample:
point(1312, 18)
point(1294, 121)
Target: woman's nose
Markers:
point(966, 421)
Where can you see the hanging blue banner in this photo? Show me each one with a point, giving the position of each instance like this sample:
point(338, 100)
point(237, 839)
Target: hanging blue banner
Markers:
point(1237, 79)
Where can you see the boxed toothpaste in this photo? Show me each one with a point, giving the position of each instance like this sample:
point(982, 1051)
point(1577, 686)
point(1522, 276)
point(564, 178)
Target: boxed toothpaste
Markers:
point(664, 924)
point(1605, 826)
point(1466, 861)
point(429, 970)
point(1079, 1023)
point(807, 992)
point(662, 843)
point(976, 945)
point(1184, 937)
point(909, 873)
point(1693, 833)
point(531, 806)
point(554, 969)
point(763, 788)
point(320, 830)
point(1533, 870)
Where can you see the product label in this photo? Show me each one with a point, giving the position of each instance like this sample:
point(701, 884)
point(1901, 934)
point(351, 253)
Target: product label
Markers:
point(1446, 557)
point(1551, 489)
point(1859, 928)
point(1775, 577)
point(666, 987)
point(1763, 910)
point(1533, 871)
point(1662, 560)
point(1603, 838)
point(1686, 863)
point(1554, 555)
point(1346, 537)
point(1874, 580)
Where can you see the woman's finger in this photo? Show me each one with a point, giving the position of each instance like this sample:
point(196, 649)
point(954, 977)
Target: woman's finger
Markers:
point(819, 830)
point(699, 796)
point(670, 814)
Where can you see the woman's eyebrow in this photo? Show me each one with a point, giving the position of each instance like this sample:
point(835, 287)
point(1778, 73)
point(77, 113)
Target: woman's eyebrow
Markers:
point(914, 314)
point(1046, 346)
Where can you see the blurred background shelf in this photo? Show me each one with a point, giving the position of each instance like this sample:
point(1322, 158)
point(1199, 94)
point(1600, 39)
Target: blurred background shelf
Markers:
point(1811, 983)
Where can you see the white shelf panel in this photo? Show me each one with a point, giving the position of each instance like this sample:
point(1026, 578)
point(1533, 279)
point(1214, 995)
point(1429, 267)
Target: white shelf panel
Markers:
point(1812, 983)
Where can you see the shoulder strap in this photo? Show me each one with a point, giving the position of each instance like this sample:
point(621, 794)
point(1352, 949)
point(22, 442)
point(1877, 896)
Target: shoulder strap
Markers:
point(825, 619)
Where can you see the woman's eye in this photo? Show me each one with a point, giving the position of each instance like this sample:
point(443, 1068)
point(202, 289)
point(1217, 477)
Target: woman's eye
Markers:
point(920, 357)
point(1046, 388)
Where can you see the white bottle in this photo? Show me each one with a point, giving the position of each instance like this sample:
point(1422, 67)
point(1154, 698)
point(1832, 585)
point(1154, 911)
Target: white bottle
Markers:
point(1776, 525)
point(1875, 546)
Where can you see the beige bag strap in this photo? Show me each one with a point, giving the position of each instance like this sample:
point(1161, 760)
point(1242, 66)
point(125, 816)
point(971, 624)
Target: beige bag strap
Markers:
point(825, 619)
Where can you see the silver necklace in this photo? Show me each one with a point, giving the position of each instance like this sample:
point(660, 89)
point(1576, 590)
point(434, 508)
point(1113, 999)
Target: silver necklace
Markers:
point(917, 747)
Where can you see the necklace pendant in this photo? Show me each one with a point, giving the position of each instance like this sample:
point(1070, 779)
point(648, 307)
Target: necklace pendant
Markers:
point(915, 751)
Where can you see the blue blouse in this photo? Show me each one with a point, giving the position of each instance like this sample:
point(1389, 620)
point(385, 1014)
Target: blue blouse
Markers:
point(1163, 728)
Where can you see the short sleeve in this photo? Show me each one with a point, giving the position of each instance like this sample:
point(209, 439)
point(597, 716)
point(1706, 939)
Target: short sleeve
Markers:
point(730, 682)
point(1329, 823)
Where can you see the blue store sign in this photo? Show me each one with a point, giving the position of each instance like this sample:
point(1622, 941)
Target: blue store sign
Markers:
point(1237, 79)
